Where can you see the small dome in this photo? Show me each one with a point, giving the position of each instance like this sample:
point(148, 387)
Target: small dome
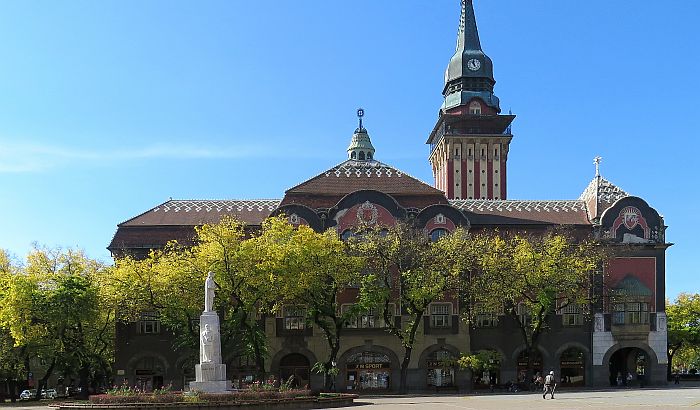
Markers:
point(361, 146)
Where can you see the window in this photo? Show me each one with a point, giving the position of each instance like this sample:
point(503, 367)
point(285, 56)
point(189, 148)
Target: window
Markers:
point(347, 234)
point(474, 108)
point(294, 318)
point(438, 233)
point(440, 314)
point(369, 156)
point(485, 317)
point(362, 156)
point(571, 315)
point(370, 319)
point(149, 323)
point(631, 313)
point(524, 315)
point(353, 155)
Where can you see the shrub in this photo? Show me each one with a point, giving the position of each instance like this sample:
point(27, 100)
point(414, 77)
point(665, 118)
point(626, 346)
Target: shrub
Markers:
point(133, 395)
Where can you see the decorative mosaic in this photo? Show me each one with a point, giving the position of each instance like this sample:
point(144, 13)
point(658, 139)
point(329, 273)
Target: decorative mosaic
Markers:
point(485, 205)
point(363, 168)
point(219, 206)
point(607, 191)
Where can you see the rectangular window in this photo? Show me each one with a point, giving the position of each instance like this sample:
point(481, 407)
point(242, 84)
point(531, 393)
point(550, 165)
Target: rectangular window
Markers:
point(371, 319)
point(149, 323)
point(571, 315)
point(440, 314)
point(524, 315)
point(294, 318)
point(486, 318)
point(631, 313)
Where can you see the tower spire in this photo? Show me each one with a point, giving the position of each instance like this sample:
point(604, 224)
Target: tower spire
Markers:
point(468, 34)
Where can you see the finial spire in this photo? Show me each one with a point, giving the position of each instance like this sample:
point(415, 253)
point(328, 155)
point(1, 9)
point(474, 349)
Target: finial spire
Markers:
point(597, 160)
point(468, 34)
point(360, 114)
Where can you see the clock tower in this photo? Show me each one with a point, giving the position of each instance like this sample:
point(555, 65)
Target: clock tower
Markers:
point(469, 144)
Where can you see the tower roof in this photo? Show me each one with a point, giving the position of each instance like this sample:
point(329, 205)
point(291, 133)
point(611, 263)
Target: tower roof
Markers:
point(470, 71)
point(360, 148)
point(599, 195)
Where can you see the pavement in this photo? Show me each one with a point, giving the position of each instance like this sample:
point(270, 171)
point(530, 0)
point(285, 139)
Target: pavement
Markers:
point(624, 399)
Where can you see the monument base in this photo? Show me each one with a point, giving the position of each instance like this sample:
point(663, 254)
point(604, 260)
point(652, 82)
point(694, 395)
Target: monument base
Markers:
point(210, 372)
point(221, 386)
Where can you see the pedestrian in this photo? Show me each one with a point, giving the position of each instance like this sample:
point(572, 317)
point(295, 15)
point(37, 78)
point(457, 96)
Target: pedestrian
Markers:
point(629, 379)
point(549, 385)
point(677, 379)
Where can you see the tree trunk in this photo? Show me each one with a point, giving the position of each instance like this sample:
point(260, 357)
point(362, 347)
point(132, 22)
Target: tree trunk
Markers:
point(12, 384)
point(408, 349)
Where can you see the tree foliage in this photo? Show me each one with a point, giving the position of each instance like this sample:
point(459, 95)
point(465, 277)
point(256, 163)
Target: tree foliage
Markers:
point(683, 324)
point(51, 308)
point(309, 268)
point(406, 269)
point(531, 276)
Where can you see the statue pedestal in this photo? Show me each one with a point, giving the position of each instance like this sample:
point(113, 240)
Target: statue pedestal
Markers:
point(210, 373)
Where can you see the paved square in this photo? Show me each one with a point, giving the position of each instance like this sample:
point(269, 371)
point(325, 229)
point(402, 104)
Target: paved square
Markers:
point(665, 398)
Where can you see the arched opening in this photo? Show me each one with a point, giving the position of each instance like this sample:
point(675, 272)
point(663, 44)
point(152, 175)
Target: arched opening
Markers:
point(362, 156)
point(241, 370)
point(573, 370)
point(148, 373)
point(353, 155)
point(368, 371)
point(628, 366)
point(441, 369)
point(536, 366)
point(295, 366)
point(369, 156)
point(490, 372)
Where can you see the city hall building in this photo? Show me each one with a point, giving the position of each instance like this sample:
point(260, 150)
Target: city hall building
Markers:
point(469, 158)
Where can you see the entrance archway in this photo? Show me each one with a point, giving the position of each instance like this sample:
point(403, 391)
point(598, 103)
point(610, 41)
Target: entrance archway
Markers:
point(369, 371)
point(522, 366)
point(295, 366)
point(628, 365)
point(573, 369)
point(148, 372)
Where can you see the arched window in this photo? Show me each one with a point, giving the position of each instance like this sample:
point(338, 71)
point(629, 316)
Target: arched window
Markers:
point(347, 234)
point(353, 155)
point(362, 156)
point(438, 233)
point(369, 156)
point(474, 108)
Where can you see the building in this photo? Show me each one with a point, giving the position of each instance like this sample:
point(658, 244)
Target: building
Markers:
point(469, 152)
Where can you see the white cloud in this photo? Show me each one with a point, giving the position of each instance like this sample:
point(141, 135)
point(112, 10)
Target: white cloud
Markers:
point(33, 157)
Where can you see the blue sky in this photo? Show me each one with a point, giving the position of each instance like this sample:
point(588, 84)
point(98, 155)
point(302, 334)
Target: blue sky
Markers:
point(109, 108)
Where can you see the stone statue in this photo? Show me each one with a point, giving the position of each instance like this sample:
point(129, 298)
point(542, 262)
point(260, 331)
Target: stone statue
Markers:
point(209, 287)
point(207, 340)
point(599, 324)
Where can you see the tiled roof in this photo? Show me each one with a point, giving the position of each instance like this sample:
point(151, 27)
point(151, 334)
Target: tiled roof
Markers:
point(197, 212)
point(607, 191)
point(599, 195)
point(524, 212)
point(351, 176)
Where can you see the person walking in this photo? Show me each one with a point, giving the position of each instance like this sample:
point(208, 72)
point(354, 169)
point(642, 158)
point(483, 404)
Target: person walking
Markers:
point(549, 385)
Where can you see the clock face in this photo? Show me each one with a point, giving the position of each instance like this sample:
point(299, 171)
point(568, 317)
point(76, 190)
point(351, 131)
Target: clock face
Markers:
point(473, 64)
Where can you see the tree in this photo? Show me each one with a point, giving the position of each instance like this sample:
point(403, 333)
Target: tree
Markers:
point(404, 267)
point(12, 365)
point(163, 283)
point(683, 324)
point(52, 310)
point(310, 268)
point(533, 276)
